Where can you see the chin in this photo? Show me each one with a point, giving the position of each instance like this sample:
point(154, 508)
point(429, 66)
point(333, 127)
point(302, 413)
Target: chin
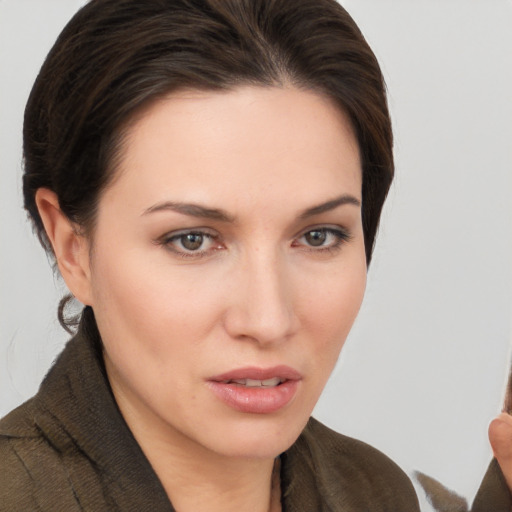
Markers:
point(259, 437)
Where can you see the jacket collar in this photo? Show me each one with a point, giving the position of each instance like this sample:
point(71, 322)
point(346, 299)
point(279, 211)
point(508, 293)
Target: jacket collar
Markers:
point(75, 409)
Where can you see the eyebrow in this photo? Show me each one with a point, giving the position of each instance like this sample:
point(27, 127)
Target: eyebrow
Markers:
point(193, 210)
point(196, 210)
point(330, 205)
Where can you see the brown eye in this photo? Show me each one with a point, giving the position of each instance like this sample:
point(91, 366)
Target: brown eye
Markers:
point(316, 237)
point(192, 241)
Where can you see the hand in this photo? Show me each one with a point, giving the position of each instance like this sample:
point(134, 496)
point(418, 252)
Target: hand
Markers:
point(500, 436)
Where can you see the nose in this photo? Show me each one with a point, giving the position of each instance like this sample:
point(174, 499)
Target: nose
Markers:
point(262, 300)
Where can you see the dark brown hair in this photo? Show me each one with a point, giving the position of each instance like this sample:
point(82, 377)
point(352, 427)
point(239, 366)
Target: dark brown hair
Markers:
point(116, 57)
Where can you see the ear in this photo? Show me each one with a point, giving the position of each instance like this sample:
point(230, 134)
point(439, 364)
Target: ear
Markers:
point(71, 249)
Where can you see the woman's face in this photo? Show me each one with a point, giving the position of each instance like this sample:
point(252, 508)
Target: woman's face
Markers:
point(228, 266)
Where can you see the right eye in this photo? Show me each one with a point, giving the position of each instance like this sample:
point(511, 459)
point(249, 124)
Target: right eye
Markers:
point(190, 244)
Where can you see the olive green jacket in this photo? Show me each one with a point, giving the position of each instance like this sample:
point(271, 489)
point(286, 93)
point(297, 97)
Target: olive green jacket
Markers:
point(492, 496)
point(69, 449)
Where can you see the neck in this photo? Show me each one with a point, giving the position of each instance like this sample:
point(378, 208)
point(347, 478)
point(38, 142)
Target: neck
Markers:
point(223, 485)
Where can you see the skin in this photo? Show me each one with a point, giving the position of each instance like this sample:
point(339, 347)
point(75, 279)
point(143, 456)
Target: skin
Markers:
point(261, 291)
point(500, 436)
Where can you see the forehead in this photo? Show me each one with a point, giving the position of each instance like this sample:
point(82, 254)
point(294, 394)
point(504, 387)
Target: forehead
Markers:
point(232, 145)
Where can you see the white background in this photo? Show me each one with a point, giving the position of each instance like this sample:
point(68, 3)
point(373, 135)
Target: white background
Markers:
point(424, 369)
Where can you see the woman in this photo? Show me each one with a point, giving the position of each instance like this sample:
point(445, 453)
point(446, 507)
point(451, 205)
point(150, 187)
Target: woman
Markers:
point(209, 178)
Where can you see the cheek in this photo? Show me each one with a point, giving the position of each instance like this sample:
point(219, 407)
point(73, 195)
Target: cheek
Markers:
point(150, 325)
point(331, 310)
point(140, 297)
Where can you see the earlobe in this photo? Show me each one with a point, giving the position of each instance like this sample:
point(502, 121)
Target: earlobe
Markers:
point(71, 249)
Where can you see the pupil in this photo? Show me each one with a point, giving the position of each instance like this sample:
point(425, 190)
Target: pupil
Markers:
point(316, 238)
point(192, 241)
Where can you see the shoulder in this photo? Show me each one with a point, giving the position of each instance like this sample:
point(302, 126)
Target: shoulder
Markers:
point(32, 476)
point(18, 436)
point(354, 473)
point(19, 422)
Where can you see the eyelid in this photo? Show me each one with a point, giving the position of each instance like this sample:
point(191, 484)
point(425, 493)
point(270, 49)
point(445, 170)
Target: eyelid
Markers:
point(186, 231)
point(336, 228)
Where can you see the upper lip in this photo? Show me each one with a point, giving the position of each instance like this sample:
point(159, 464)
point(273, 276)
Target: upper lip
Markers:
point(282, 371)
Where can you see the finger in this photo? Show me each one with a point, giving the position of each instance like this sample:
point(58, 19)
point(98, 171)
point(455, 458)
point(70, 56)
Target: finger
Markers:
point(500, 437)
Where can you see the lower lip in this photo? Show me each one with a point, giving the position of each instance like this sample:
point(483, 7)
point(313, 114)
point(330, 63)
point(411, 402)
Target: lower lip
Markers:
point(256, 400)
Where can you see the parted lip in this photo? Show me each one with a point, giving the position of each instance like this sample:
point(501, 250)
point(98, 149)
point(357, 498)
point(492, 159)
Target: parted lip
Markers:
point(283, 372)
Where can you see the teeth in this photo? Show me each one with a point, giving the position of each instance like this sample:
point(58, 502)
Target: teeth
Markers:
point(253, 383)
point(271, 382)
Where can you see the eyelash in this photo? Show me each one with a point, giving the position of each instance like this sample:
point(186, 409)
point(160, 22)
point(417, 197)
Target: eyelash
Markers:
point(341, 237)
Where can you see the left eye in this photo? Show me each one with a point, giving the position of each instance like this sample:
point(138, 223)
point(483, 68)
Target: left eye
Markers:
point(323, 238)
point(191, 241)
